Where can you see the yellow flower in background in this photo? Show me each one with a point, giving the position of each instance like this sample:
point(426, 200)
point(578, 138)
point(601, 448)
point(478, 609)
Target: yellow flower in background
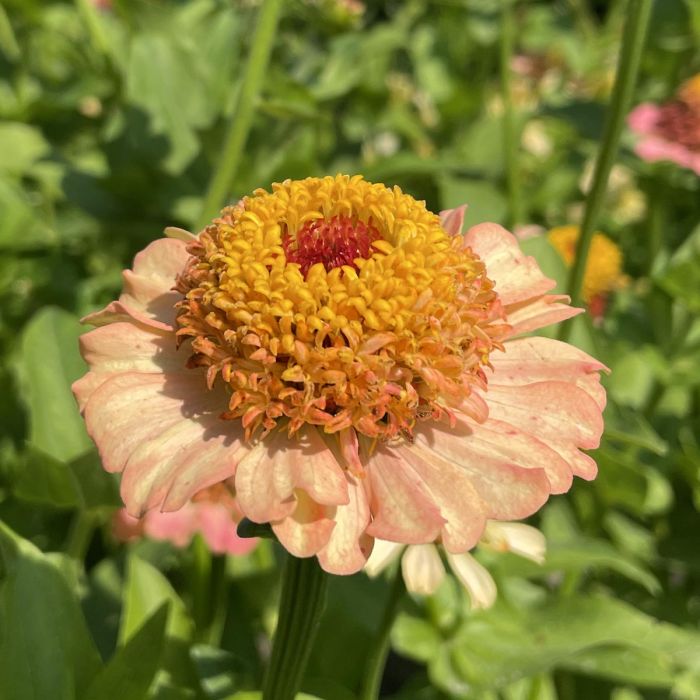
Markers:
point(604, 266)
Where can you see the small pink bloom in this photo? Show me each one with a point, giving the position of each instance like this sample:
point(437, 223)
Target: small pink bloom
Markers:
point(390, 396)
point(670, 131)
point(212, 514)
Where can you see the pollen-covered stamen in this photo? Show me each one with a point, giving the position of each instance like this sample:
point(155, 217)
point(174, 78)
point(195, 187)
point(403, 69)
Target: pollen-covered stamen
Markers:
point(333, 242)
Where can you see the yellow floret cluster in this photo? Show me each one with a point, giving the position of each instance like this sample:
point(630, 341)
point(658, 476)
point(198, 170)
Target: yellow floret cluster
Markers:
point(399, 335)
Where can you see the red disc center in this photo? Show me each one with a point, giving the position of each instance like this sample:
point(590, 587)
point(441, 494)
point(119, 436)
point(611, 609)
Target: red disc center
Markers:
point(334, 242)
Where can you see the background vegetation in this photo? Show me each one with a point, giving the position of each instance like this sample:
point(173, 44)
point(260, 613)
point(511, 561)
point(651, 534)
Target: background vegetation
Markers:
point(113, 118)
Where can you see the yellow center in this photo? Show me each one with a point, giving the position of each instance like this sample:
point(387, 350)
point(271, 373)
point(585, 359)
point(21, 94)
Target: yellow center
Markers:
point(374, 343)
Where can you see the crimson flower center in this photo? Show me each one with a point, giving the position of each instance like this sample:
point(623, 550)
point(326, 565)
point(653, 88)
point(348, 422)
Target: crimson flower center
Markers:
point(333, 242)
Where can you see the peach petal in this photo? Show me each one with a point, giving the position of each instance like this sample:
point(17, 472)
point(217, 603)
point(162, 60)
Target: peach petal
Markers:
point(308, 464)
point(256, 487)
point(452, 220)
point(131, 408)
point(422, 569)
point(517, 276)
point(402, 509)
point(529, 360)
point(539, 313)
point(550, 410)
point(509, 491)
point(148, 297)
point(452, 490)
point(348, 547)
point(125, 347)
point(307, 529)
point(499, 440)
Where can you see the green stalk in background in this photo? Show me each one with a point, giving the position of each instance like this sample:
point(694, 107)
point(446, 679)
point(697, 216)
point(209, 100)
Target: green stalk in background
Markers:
point(510, 130)
point(301, 605)
point(374, 671)
point(239, 128)
point(638, 12)
point(90, 15)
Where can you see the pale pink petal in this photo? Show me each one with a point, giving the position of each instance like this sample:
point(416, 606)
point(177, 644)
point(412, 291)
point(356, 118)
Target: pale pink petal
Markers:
point(148, 297)
point(644, 118)
point(422, 569)
point(307, 529)
point(451, 489)
point(178, 527)
point(509, 490)
point(452, 220)
point(523, 540)
point(655, 148)
point(383, 554)
point(348, 547)
point(402, 509)
point(517, 276)
point(475, 578)
point(531, 315)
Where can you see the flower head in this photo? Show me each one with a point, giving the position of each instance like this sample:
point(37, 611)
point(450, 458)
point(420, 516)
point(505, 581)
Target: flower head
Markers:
point(671, 131)
point(603, 273)
point(351, 362)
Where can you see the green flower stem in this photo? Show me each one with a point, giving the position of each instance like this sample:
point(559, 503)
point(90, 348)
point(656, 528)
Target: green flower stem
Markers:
point(638, 12)
point(90, 16)
point(301, 605)
point(221, 182)
point(510, 130)
point(374, 671)
point(80, 535)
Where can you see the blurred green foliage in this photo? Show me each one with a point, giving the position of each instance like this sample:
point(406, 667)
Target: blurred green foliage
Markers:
point(113, 115)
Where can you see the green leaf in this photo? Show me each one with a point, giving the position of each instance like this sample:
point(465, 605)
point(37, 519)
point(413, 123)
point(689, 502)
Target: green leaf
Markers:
point(414, 637)
point(486, 202)
point(48, 365)
point(43, 479)
point(45, 648)
point(21, 146)
point(145, 591)
point(130, 672)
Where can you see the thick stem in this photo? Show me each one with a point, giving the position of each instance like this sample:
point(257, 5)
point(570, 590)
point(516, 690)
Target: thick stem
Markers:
point(222, 180)
point(638, 12)
point(80, 535)
point(510, 130)
point(372, 682)
point(301, 605)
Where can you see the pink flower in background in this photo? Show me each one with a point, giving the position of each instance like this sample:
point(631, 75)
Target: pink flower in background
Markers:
point(211, 513)
point(670, 131)
point(352, 363)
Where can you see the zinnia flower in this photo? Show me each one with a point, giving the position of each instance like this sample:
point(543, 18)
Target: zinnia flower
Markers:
point(212, 513)
point(670, 131)
point(352, 362)
point(603, 273)
point(423, 571)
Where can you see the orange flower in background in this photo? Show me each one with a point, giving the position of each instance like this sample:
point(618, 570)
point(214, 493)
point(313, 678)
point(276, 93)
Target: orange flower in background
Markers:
point(352, 362)
point(670, 131)
point(603, 274)
point(212, 513)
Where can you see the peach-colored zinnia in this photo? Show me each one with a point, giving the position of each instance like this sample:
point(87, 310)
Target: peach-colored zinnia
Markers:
point(353, 362)
point(670, 131)
point(212, 513)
